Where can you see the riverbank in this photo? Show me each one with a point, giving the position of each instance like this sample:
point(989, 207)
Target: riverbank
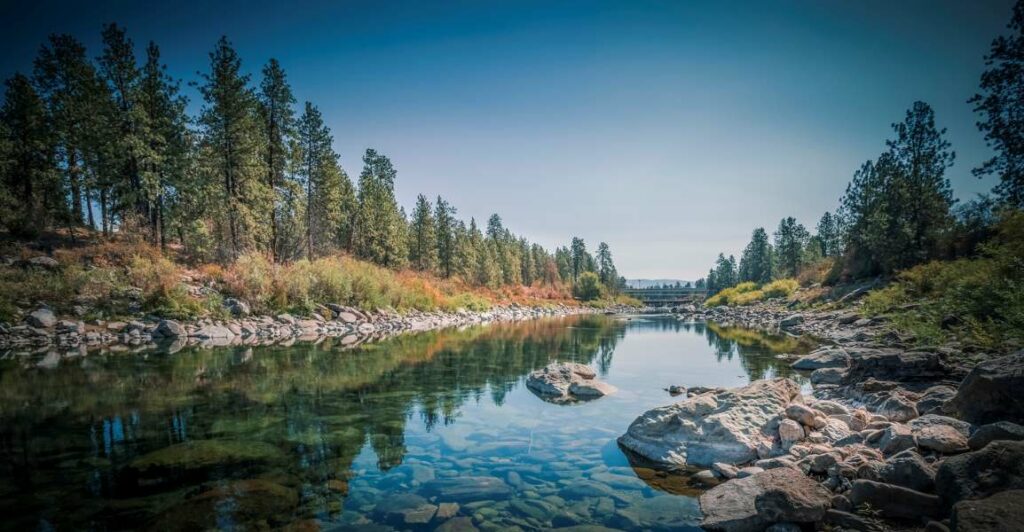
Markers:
point(43, 332)
point(893, 435)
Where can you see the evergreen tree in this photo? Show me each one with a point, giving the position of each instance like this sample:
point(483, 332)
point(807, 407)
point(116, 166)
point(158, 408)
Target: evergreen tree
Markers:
point(829, 236)
point(1001, 107)
point(447, 241)
point(330, 199)
point(756, 261)
point(379, 235)
point(33, 191)
point(423, 236)
point(790, 240)
point(578, 257)
point(527, 269)
point(605, 266)
point(278, 121)
point(230, 155)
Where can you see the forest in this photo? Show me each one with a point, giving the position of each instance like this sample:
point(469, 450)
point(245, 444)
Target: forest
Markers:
point(104, 150)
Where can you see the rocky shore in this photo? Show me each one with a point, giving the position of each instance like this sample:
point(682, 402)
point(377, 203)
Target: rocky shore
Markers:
point(890, 438)
point(42, 331)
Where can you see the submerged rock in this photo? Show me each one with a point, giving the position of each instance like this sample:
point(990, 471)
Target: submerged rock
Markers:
point(567, 381)
point(726, 427)
point(246, 504)
point(465, 489)
point(196, 457)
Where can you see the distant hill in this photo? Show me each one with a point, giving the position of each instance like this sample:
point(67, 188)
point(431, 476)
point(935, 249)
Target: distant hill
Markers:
point(648, 283)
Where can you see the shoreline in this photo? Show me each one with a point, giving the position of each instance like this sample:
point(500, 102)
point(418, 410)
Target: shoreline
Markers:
point(42, 332)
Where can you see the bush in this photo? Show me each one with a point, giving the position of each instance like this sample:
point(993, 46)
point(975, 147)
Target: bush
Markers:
point(780, 288)
point(748, 293)
point(588, 287)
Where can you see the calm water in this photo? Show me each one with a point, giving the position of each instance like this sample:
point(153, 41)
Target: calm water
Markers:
point(316, 436)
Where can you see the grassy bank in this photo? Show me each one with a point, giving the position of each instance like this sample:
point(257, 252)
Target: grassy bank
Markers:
point(120, 279)
point(749, 293)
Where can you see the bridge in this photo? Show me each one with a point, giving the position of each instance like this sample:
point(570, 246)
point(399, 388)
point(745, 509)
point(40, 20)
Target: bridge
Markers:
point(667, 297)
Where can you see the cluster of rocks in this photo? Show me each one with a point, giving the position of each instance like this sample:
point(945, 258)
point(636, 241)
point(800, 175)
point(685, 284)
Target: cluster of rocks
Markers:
point(920, 448)
point(42, 332)
point(561, 382)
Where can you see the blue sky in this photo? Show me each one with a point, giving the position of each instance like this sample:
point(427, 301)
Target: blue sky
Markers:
point(668, 129)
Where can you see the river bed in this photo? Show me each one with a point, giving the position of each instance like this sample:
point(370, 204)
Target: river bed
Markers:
point(426, 431)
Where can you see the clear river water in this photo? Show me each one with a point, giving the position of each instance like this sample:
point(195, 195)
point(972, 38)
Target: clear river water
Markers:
point(434, 430)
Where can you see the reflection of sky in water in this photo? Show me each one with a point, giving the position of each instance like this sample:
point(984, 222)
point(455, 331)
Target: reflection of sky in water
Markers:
point(384, 419)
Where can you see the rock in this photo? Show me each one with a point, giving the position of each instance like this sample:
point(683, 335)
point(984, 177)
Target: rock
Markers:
point(457, 524)
point(941, 438)
point(992, 514)
point(702, 430)
point(567, 381)
point(286, 319)
point(933, 399)
point(170, 329)
point(897, 408)
point(467, 489)
point(791, 496)
point(828, 376)
point(929, 420)
point(997, 467)
point(848, 521)
point(245, 504)
point(749, 471)
point(803, 414)
point(791, 321)
point(894, 501)
point(790, 432)
point(726, 471)
point(831, 408)
point(752, 503)
point(784, 527)
point(447, 510)
point(201, 455)
point(212, 332)
point(901, 366)
point(42, 317)
point(46, 263)
point(909, 470)
point(675, 389)
point(237, 307)
point(1003, 430)
point(830, 357)
point(896, 438)
point(404, 509)
point(991, 392)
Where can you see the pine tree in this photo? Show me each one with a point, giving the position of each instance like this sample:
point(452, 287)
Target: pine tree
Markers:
point(578, 257)
point(790, 240)
point(1001, 107)
point(378, 235)
point(527, 268)
point(423, 236)
point(756, 261)
point(447, 240)
point(330, 199)
point(605, 266)
point(829, 235)
point(278, 121)
point(32, 188)
point(231, 157)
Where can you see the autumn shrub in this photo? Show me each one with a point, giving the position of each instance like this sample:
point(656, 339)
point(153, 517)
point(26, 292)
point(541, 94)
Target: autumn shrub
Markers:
point(780, 288)
point(748, 293)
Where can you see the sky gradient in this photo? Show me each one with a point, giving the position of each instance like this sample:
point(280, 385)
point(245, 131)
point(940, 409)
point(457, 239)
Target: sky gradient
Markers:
point(668, 129)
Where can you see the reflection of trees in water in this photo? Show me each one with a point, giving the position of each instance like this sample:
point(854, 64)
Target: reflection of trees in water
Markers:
point(320, 403)
point(756, 350)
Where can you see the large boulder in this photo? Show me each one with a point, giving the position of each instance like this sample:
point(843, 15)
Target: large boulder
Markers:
point(1003, 430)
point(933, 399)
point(567, 381)
point(828, 357)
point(991, 392)
point(991, 514)
point(708, 428)
point(902, 366)
point(908, 469)
point(977, 474)
point(755, 502)
point(894, 501)
point(170, 329)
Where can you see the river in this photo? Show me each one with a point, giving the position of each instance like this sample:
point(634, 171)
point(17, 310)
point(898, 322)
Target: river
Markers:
point(421, 431)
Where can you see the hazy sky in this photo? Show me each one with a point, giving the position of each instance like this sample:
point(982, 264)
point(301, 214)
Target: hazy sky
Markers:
point(668, 129)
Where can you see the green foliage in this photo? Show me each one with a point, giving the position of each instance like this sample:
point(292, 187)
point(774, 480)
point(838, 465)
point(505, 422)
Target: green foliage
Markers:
point(791, 239)
point(756, 261)
point(588, 287)
point(749, 293)
point(978, 300)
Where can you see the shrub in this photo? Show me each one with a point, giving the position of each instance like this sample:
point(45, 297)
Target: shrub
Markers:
point(748, 293)
point(780, 288)
point(588, 287)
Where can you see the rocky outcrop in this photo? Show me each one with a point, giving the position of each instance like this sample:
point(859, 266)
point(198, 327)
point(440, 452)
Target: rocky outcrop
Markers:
point(704, 429)
point(991, 392)
point(991, 514)
point(997, 467)
point(894, 502)
point(566, 382)
point(757, 501)
point(1003, 430)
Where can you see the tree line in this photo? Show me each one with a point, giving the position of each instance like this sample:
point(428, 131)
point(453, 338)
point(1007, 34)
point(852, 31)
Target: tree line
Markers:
point(106, 143)
point(898, 210)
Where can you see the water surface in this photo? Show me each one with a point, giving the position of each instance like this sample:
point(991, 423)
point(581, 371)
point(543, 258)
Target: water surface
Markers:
point(395, 435)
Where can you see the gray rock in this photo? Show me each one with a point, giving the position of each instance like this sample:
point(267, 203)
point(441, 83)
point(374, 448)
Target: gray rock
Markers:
point(849, 521)
point(996, 513)
point(791, 496)
point(901, 366)
point(828, 376)
point(894, 501)
point(830, 357)
point(170, 329)
point(791, 321)
point(997, 467)
point(1003, 430)
point(748, 471)
point(42, 317)
point(896, 438)
point(831, 408)
point(466, 489)
point(991, 392)
point(897, 408)
point(237, 307)
point(790, 432)
point(726, 427)
point(567, 381)
point(928, 420)
point(212, 332)
point(47, 263)
point(752, 503)
point(908, 469)
point(404, 509)
point(941, 438)
point(933, 399)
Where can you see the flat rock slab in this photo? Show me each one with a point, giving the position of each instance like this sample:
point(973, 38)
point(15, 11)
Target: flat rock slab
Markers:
point(724, 427)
